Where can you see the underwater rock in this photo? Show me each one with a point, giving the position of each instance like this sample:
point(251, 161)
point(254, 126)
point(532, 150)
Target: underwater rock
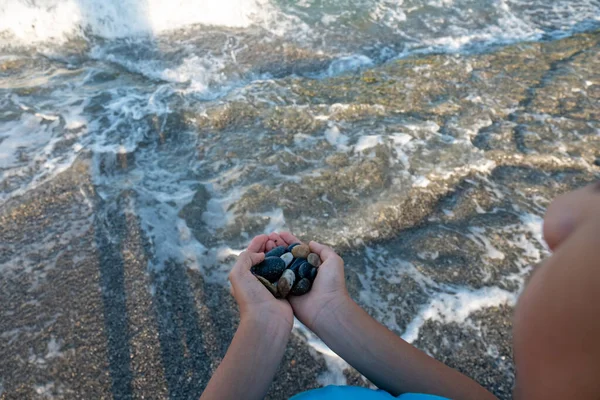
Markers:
point(285, 283)
point(302, 287)
point(288, 258)
point(301, 251)
point(314, 260)
point(277, 252)
point(272, 288)
point(271, 268)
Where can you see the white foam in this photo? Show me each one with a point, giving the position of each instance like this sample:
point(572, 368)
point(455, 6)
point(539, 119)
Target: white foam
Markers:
point(336, 138)
point(457, 307)
point(478, 236)
point(276, 221)
point(367, 142)
point(57, 20)
point(349, 63)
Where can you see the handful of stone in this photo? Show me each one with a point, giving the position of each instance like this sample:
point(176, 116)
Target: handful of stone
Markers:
point(288, 270)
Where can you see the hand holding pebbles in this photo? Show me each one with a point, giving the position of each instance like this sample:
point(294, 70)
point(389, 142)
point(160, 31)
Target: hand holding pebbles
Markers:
point(288, 270)
point(301, 251)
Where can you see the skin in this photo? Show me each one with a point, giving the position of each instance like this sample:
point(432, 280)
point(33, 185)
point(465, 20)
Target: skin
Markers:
point(259, 343)
point(556, 326)
point(384, 358)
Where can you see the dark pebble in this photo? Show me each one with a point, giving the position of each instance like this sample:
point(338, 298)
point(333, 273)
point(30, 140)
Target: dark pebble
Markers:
point(597, 162)
point(304, 270)
point(271, 268)
point(277, 252)
point(291, 246)
point(302, 287)
point(313, 274)
point(296, 264)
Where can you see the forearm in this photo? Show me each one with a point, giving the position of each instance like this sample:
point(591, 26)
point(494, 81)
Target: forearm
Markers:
point(388, 361)
point(250, 363)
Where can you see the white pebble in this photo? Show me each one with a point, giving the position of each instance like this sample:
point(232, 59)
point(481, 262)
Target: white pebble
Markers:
point(287, 257)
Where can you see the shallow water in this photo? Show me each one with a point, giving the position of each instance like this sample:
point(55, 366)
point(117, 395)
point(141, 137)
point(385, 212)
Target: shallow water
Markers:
point(143, 144)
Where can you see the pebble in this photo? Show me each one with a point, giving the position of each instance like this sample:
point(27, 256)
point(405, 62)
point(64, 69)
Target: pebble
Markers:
point(271, 268)
point(314, 260)
point(291, 246)
point(288, 258)
point(313, 274)
point(272, 288)
point(302, 287)
point(285, 283)
point(277, 251)
point(298, 262)
point(304, 270)
point(301, 251)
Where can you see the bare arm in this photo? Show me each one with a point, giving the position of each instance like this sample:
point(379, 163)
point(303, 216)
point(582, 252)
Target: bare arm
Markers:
point(258, 345)
point(250, 363)
point(385, 359)
point(388, 361)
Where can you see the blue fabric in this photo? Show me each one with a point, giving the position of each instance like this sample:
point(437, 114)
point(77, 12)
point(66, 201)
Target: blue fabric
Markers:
point(358, 393)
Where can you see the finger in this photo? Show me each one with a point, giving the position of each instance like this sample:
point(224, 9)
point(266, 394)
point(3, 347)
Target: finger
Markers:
point(257, 245)
point(323, 251)
point(270, 245)
point(289, 238)
point(277, 239)
point(245, 261)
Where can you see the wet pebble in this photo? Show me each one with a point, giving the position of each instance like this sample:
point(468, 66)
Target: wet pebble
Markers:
point(291, 246)
point(295, 267)
point(304, 270)
point(271, 268)
point(313, 274)
point(302, 287)
point(286, 282)
point(288, 258)
point(301, 251)
point(314, 260)
point(277, 252)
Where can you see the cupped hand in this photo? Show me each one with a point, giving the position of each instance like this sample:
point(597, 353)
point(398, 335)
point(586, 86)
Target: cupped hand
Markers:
point(254, 300)
point(329, 288)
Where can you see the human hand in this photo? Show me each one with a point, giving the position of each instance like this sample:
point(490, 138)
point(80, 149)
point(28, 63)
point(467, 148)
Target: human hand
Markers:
point(254, 300)
point(328, 291)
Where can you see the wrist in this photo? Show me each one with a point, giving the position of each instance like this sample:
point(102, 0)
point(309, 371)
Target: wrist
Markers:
point(267, 322)
point(338, 307)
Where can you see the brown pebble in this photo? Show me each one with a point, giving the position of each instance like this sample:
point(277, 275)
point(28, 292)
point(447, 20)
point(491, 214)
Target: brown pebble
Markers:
point(314, 260)
point(285, 283)
point(301, 251)
point(267, 284)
